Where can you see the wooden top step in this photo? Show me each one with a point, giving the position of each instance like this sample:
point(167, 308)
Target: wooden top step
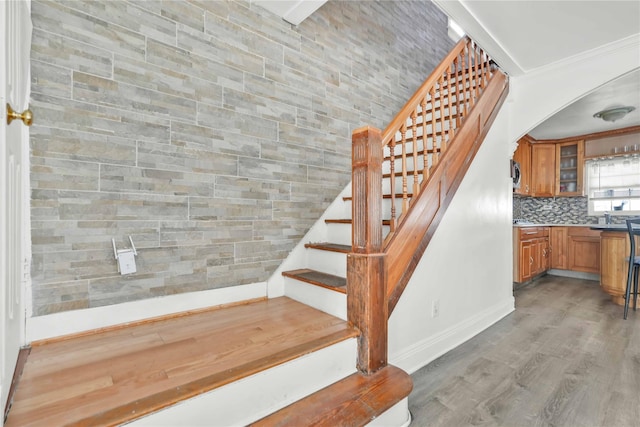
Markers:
point(386, 196)
point(353, 401)
point(331, 247)
point(329, 281)
point(113, 376)
point(350, 221)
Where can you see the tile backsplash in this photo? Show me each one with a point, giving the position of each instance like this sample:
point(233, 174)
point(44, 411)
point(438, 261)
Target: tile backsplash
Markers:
point(556, 210)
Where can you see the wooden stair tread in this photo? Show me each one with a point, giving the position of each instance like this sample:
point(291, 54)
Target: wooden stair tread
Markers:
point(353, 401)
point(318, 278)
point(104, 378)
point(331, 247)
point(350, 221)
point(387, 196)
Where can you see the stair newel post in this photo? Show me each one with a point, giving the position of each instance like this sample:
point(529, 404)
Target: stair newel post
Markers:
point(366, 291)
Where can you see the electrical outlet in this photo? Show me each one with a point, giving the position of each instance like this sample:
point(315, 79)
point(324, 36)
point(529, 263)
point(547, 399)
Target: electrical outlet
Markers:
point(435, 308)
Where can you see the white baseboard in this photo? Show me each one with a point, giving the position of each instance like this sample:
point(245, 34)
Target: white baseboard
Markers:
point(72, 322)
point(425, 351)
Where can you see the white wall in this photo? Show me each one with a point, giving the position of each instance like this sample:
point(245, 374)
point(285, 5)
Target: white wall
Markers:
point(467, 267)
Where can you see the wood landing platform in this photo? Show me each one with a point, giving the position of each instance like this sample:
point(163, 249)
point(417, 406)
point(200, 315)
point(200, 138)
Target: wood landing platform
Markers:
point(355, 401)
point(101, 379)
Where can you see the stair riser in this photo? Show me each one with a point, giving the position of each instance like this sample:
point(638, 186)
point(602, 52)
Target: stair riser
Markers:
point(254, 397)
point(339, 233)
point(327, 300)
point(328, 262)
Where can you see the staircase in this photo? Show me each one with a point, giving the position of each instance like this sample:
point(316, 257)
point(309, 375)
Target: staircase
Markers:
point(403, 180)
point(354, 264)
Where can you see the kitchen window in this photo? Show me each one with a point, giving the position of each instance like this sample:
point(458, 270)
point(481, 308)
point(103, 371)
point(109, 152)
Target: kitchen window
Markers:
point(613, 185)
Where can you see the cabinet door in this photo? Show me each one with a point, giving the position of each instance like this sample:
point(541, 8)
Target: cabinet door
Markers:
point(569, 170)
point(523, 156)
point(540, 255)
point(558, 248)
point(584, 254)
point(526, 260)
point(543, 170)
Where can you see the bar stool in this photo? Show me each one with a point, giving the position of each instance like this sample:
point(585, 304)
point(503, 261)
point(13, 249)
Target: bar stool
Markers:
point(633, 226)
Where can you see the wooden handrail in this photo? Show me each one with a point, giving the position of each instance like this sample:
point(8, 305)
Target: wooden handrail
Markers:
point(422, 91)
point(427, 123)
point(427, 149)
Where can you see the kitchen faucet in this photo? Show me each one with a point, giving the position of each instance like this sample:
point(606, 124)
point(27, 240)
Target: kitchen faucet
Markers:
point(607, 218)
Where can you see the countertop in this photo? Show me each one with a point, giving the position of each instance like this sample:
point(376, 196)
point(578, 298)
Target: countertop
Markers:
point(555, 225)
point(601, 227)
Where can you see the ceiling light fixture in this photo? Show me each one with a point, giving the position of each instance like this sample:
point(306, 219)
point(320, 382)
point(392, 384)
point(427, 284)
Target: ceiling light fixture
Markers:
point(613, 114)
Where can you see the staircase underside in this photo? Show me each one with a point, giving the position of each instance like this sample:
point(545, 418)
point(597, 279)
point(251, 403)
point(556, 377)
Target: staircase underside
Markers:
point(121, 374)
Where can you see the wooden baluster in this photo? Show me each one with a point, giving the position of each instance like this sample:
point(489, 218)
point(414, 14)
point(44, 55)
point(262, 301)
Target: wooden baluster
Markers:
point(469, 89)
point(367, 307)
point(455, 76)
point(461, 99)
point(434, 142)
point(392, 181)
point(482, 69)
point(443, 145)
point(414, 131)
point(450, 99)
point(405, 189)
point(476, 68)
point(425, 140)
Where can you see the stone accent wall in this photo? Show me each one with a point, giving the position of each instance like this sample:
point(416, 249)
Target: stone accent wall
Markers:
point(557, 210)
point(212, 132)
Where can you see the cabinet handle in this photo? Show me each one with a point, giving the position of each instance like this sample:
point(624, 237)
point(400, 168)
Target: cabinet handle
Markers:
point(530, 260)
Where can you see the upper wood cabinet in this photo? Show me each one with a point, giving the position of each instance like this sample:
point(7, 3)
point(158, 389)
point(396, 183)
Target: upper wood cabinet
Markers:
point(523, 156)
point(569, 170)
point(543, 170)
point(550, 169)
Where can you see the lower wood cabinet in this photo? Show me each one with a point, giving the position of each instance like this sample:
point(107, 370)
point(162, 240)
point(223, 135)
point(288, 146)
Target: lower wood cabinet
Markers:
point(558, 246)
point(575, 249)
point(584, 249)
point(531, 252)
point(615, 249)
point(538, 249)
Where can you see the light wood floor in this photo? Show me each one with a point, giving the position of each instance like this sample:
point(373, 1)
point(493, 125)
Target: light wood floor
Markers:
point(99, 380)
point(565, 357)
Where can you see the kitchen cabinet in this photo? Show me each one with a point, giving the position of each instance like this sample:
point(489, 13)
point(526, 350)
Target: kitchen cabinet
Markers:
point(531, 252)
point(569, 168)
point(558, 246)
point(522, 155)
point(614, 248)
point(543, 170)
point(575, 249)
point(584, 249)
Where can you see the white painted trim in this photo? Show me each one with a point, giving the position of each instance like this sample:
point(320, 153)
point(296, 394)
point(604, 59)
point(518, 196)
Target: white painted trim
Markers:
point(425, 351)
point(252, 398)
point(71, 322)
point(292, 11)
point(398, 415)
point(480, 34)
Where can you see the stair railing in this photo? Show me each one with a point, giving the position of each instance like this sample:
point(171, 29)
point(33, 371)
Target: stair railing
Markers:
point(422, 130)
point(429, 146)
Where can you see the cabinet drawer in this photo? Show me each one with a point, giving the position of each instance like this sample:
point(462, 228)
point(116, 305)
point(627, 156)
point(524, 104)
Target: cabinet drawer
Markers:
point(526, 233)
point(584, 232)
